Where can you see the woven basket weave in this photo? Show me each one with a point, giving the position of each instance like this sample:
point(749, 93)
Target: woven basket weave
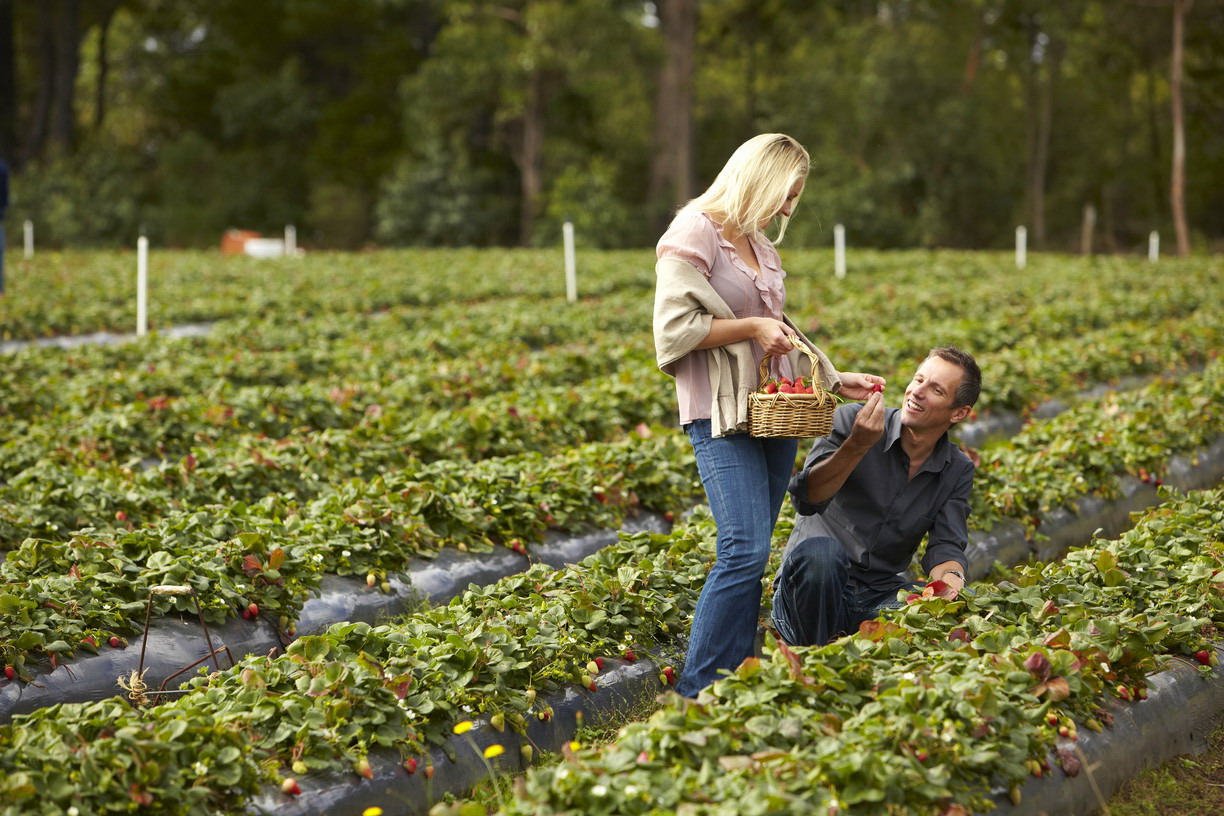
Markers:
point(791, 416)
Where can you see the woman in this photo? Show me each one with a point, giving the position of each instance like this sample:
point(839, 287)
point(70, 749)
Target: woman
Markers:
point(718, 312)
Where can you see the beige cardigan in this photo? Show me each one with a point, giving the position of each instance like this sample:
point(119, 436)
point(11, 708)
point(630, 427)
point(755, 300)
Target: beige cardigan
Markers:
point(684, 308)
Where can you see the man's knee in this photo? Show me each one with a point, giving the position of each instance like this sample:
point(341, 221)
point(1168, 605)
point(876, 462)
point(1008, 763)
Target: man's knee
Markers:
point(819, 560)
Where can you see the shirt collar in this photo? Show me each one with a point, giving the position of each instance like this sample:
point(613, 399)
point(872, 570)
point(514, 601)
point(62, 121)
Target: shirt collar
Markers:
point(939, 457)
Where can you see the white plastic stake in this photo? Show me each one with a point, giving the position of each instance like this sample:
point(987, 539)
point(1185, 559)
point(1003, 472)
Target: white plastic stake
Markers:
point(1021, 247)
point(290, 240)
point(29, 238)
point(571, 272)
point(142, 286)
point(1154, 246)
point(839, 251)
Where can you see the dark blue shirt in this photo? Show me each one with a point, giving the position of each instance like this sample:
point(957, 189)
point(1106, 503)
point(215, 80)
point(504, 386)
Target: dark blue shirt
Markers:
point(880, 515)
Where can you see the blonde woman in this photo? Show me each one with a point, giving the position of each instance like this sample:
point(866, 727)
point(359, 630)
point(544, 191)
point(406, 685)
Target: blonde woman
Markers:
point(718, 311)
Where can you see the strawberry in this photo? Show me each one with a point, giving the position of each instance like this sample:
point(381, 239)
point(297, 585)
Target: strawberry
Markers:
point(410, 765)
point(290, 786)
point(591, 685)
point(429, 771)
point(786, 388)
point(643, 758)
point(1203, 656)
point(1123, 692)
point(592, 667)
point(362, 767)
point(599, 664)
point(246, 614)
point(630, 656)
point(528, 752)
point(770, 388)
point(10, 672)
point(120, 515)
point(371, 579)
point(114, 642)
point(876, 388)
point(784, 381)
point(669, 676)
point(498, 721)
point(299, 767)
point(253, 609)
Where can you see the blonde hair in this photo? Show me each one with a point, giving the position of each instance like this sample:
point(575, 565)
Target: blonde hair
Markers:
point(753, 185)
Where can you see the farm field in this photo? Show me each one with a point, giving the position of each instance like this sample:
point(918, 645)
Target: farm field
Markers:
point(349, 415)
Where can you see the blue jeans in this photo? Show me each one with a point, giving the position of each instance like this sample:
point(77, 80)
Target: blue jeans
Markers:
point(815, 598)
point(745, 479)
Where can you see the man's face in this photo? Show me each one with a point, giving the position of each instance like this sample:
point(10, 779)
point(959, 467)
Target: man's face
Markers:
point(930, 396)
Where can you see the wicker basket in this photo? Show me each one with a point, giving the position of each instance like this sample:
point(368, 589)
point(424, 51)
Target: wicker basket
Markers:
point(791, 416)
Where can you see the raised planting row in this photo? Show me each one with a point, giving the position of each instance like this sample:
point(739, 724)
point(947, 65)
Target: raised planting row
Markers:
point(332, 698)
point(62, 597)
point(76, 292)
point(930, 710)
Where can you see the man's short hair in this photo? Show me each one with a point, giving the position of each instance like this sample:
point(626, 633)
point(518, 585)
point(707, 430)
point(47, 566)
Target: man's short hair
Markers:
point(971, 382)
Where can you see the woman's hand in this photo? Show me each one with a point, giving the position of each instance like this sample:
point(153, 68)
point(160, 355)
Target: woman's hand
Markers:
point(774, 336)
point(860, 386)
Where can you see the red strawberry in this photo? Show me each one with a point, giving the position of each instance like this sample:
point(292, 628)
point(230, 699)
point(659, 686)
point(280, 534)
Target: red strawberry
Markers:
point(599, 663)
point(770, 388)
point(876, 388)
point(1203, 656)
point(592, 686)
point(114, 642)
point(290, 786)
point(10, 672)
point(786, 388)
point(643, 758)
point(784, 381)
point(630, 656)
point(429, 771)
point(410, 765)
point(120, 515)
point(253, 609)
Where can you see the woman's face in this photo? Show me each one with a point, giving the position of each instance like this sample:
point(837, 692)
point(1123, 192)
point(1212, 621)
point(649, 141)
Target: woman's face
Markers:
point(788, 205)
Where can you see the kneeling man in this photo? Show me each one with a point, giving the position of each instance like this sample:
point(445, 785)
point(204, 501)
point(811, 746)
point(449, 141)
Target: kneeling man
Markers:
point(868, 493)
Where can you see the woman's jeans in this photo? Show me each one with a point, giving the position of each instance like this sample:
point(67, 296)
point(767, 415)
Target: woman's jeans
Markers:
point(745, 479)
point(815, 600)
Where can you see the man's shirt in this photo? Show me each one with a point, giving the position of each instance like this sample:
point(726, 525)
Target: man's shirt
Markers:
point(880, 515)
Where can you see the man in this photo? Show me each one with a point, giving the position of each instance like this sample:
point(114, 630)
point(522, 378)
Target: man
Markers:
point(868, 493)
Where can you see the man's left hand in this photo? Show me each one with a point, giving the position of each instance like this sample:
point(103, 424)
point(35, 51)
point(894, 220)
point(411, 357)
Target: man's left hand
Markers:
point(857, 386)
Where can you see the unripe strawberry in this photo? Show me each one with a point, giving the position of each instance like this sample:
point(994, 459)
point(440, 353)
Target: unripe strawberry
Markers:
point(643, 757)
point(429, 771)
point(527, 752)
point(299, 767)
point(410, 765)
point(290, 786)
point(1123, 692)
point(1063, 731)
point(498, 721)
point(585, 680)
point(371, 579)
point(592, 667)
point(531, 695)
point(362, 767)
point(1053, 718)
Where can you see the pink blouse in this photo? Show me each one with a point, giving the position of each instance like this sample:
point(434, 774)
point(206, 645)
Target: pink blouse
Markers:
point(698, 239)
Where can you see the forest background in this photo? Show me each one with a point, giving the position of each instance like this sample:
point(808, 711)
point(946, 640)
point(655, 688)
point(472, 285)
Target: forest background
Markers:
point(931, 123)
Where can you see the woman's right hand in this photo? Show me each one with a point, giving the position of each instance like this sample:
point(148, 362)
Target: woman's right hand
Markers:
point(774, 336)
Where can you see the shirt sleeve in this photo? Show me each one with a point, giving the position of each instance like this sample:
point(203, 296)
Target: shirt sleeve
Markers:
point(822, 448)
point(692, 238)
point(950, 534)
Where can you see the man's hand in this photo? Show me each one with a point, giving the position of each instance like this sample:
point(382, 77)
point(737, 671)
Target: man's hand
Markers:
point(948, 573)
point(857, 386)
point(869, 424)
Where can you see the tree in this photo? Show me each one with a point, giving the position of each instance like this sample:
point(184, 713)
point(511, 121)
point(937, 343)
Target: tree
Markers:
point(671, 170)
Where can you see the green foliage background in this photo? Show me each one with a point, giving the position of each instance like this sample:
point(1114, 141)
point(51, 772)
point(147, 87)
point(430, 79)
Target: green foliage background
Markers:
point(399, 121)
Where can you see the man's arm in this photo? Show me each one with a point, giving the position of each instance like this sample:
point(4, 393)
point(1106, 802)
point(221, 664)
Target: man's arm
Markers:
point(827, 476)
point(949, 537)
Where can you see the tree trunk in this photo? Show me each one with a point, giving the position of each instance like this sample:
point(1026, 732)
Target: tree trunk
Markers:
point(36, 141)
point(1041, 155)
point(531, 154)
point(108, 14)
point(975, 54)
point(671, 169)
point(67, 64)
point(8, 84)
point(1177, 189)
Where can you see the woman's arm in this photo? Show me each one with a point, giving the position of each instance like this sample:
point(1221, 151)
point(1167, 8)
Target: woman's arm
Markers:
point(773, 335)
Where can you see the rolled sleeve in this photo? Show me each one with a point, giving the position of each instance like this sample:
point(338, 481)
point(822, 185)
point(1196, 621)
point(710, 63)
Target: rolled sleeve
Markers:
point(822, 448)
point(950, 534)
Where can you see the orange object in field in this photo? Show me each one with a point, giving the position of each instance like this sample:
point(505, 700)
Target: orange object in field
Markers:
point(233, 241)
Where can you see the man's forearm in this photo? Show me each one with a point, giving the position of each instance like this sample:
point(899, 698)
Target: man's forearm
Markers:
point(827, 476)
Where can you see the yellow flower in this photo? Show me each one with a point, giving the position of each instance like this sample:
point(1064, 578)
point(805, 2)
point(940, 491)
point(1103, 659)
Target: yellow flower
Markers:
point(574, 746)
point(493, 750)
point(372, 811)
point(463, 727)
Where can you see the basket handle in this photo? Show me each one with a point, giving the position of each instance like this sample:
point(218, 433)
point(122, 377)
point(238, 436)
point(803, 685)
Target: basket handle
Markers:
point(802, 347)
